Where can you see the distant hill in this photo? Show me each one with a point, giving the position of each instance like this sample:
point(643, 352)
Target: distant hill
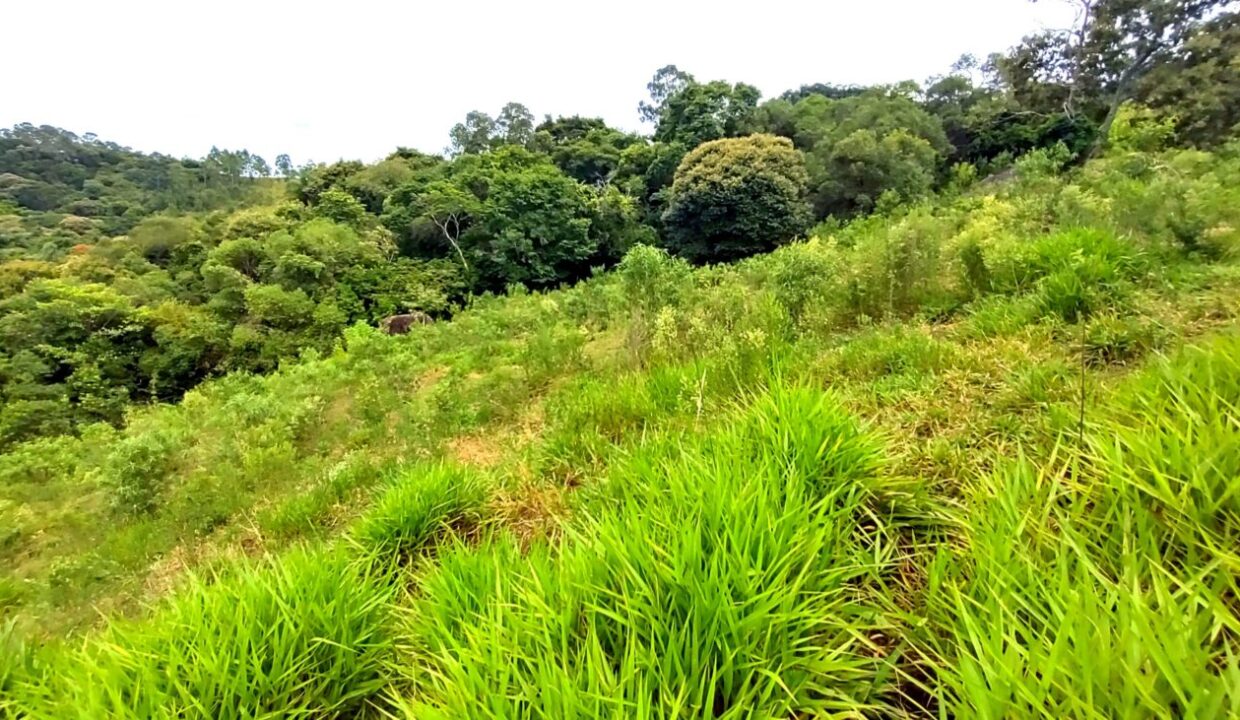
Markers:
point(69, 187)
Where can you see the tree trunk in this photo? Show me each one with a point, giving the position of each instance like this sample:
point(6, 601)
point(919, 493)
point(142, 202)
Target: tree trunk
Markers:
point(1123, 91)
point(1104, 130)
point(456, 226)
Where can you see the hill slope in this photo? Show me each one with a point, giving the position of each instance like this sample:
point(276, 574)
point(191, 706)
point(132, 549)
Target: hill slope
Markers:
point(975, 457)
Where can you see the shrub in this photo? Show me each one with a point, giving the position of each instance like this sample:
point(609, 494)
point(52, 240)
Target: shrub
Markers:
point(737, 197)
point(895, 267)
point(804, 275)
point(651, 278)
point(138, 467)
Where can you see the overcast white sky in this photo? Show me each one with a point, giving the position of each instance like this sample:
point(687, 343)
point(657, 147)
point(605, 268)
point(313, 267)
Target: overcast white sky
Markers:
point(325, 80)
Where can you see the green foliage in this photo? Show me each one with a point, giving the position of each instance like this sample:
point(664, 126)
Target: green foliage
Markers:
point(418, 505)
point(734, 198)
point(305, 635)
point(341, 207)
point(1115, 47)
point(511, 216)
point(582, 502)
point(1169, 454)
point(861, 168)
point(1199, 87)
point(888, 352)
point(534, 228)
point(698, 113)
point(665, 582)
point(1079, 273)
point(150, 316)
point(1072, 596)
point(584, 148)
point(1139, 129)
point(1110, 339)
point(46, 170)
point(803, 277)
point(480, 132)
point(861, 146)
point(137, 468)
point(651, 278)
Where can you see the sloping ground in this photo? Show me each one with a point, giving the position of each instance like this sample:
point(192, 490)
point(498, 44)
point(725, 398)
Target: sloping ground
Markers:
point(935, 464)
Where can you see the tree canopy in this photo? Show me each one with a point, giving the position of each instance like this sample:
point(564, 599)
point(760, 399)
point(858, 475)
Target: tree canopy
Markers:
point(736, 197)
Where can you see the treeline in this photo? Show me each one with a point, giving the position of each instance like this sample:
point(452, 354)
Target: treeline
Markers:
point(58, 189)
point(132, 277)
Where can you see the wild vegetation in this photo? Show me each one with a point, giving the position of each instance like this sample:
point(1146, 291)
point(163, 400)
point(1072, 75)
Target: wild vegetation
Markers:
point(951, 427)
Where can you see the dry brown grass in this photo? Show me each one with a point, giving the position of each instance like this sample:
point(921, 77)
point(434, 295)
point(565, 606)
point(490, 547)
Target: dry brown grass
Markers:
point(533, 510)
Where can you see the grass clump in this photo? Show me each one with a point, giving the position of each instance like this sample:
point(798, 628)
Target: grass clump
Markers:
point(1171, 450)
point(419, 505)
point(301, 636)
point(714, 576)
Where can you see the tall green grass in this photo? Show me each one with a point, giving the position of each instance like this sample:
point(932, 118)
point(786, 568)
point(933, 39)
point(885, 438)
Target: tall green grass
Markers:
point(1103, 584)
point(300, 637)
point(719, 576)
point(417, 506)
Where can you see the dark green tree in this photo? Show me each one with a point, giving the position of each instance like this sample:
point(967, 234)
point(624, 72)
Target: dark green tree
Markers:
point(514, 125)
point(1199, 85)
point(698, 113)
point(736, 197)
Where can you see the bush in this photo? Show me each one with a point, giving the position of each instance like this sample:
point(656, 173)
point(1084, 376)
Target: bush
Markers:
point(1114, 340)
point(804, 275)
point(736, 197)
point(137, 469)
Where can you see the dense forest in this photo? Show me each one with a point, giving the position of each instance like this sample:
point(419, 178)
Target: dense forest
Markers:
point(911, 400)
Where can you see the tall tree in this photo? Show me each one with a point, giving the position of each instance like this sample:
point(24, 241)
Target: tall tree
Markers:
point(450, 208)
point(667, 81)
point(284, 165)
point(514, 125)
point(472, 136)
point(1200, 86)
point(256, 166)
point(1115, 44)
point(700, 112)
point(736, 197)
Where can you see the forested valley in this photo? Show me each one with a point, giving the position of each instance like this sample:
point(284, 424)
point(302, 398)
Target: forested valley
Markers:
point(909, 400)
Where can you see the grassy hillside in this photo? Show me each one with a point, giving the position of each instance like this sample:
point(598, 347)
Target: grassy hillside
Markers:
point(977, 457)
